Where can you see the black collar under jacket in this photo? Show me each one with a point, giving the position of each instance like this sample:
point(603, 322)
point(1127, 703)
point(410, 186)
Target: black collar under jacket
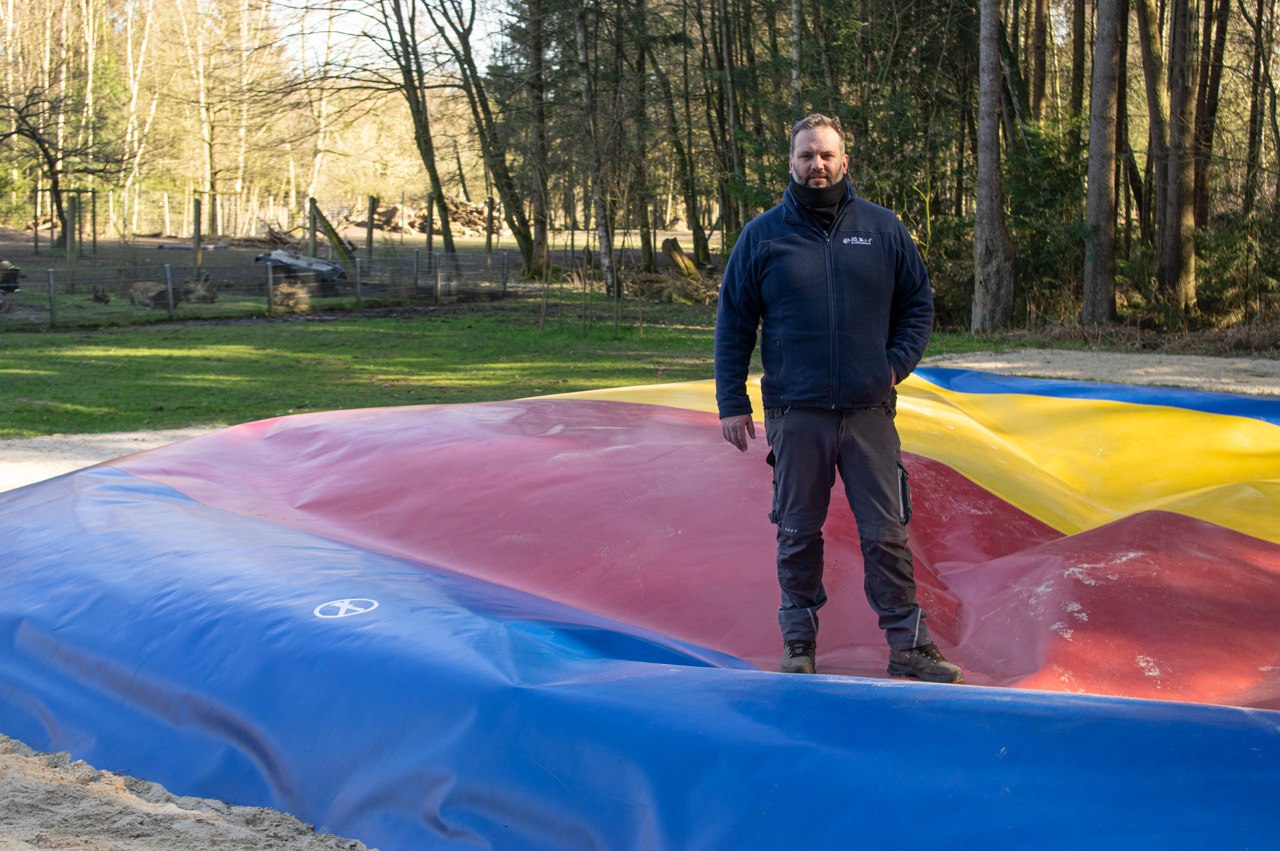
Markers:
point(795, 211)
point(823, 202)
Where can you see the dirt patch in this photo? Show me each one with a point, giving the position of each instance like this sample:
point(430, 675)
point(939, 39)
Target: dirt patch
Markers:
point(48, 801)
point(35, 459)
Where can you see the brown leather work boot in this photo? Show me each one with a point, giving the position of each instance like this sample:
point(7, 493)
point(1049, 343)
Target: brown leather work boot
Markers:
point(924, 663)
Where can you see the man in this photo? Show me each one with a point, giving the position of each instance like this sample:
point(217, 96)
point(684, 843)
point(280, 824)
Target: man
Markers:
point(840, 296)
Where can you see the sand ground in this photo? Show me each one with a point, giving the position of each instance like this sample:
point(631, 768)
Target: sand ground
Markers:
point(48, 801)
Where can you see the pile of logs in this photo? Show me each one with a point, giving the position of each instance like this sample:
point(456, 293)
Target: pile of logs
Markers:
point(274, 238)
point(465, 218)
point(389, 219)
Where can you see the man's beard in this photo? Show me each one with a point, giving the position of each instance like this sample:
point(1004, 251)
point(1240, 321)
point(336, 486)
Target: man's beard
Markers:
point(831, 180)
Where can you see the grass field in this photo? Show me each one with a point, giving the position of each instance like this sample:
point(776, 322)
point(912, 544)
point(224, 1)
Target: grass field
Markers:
point(162, 374)
point(182, 374)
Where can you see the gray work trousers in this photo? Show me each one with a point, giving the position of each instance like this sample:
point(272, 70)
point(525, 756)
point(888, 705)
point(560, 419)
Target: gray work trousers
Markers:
point(807, 447)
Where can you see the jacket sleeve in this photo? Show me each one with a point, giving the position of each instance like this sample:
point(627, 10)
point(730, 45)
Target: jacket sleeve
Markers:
point(737, 319)
point(911, 320)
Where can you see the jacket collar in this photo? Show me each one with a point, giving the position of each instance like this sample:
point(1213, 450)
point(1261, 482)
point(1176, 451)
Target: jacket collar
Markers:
point(793, 212)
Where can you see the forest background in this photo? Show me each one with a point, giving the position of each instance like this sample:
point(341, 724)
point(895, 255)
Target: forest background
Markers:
point(1092, 162)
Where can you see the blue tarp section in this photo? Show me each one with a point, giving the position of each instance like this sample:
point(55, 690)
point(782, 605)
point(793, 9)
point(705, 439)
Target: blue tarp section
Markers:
point(151, 635)
point(972, 381)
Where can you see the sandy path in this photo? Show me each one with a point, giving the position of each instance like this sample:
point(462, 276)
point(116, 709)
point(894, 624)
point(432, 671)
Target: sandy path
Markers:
point(48, 802)
point(1250, 376)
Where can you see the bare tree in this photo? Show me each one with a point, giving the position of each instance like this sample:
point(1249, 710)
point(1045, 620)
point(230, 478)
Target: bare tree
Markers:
point(137, 30)
point(32, 117)
point(400, 39)
point(319, 94)
point(454, 22)
point(50, 111)
point(196, 38)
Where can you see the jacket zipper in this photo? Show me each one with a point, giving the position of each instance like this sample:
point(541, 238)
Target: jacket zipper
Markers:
point(831, 300)
point(831, 322)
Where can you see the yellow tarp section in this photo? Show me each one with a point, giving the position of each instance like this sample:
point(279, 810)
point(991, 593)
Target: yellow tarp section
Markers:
point(1073, 463)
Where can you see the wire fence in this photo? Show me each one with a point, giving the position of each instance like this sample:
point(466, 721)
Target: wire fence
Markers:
point(241, 287)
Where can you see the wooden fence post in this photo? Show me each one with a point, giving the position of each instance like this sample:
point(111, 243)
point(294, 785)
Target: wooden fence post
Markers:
point(168, 287)
point(53, 300)
point(195, 233)
point(311, 227)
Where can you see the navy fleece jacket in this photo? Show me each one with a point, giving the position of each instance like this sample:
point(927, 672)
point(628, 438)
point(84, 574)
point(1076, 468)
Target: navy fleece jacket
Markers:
point(839, 312)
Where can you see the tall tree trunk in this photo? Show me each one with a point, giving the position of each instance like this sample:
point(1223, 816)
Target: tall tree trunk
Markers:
point(320, 102)
point(701, 245)
point(253, 24)
point(731, 115)
point(1268, 83)
point(1039, 57)
point(1129, 178)
point(642, 193)
point(538, 165)
point(1153, 72)
point(400, 21)
point(796, 30)
point(1257, 97)
point(87, 135)
point(454, 22)
point(137, 130)
point(1014, 92)
point(1076, 105)
point(195, 41)
point(992, 251)
point(1177, 246)
point(1213, 50)
point(603, 225)
point(684, 165)
point(1099, 249)
point(711, 65)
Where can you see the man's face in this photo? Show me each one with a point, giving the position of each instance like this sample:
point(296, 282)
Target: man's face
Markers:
point(818, 157)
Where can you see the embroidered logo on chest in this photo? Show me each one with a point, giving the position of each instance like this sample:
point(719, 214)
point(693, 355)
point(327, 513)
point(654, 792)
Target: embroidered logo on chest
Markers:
point(856, 240)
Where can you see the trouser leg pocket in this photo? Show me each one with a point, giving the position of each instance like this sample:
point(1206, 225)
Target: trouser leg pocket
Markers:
point(904, 495)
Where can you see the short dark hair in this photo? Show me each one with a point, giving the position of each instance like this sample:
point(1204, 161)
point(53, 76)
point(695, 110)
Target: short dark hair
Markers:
point(810, 122)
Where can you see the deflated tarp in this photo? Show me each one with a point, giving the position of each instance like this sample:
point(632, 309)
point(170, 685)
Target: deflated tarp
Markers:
point(542, 623)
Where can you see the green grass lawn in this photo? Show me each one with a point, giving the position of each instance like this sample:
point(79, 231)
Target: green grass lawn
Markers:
point(183, 374)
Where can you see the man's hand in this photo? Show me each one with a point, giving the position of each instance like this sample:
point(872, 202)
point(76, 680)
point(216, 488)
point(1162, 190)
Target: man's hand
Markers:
point(736, 429)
